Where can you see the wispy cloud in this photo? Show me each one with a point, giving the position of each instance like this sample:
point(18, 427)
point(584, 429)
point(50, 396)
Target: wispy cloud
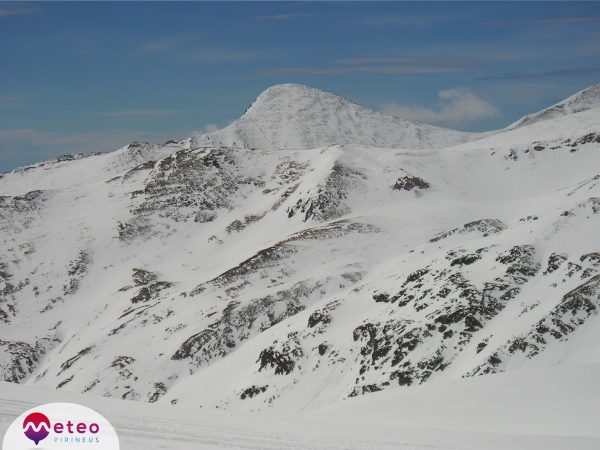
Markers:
point(184, 48)
point(13, 9)
point(11, 102)
point(398, 20)
point(389, 66)
point(571, 72)
point(140, 113)
point(208, 128)
point(162, 44)
point(219, 56)
point(27, 145)
point(38, 137)
point(415, 20)
point(576, 20)
point(283, 17)
point(85, 141)
point(457, 106)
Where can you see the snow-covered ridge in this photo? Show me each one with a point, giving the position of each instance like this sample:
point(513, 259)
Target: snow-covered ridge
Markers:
point(584, 100)
point(72, 170)
point(292, 116)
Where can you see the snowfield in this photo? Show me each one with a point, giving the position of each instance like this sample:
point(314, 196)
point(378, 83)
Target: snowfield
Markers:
point(538, 409)
point(315, 275)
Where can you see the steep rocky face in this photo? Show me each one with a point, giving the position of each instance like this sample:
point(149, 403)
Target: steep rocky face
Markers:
point(238, 278)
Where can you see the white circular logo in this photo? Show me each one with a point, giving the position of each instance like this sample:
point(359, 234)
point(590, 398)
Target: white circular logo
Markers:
point(60, 425)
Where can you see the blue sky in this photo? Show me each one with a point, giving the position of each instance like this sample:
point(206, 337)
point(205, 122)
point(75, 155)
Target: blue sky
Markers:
point(95, 76)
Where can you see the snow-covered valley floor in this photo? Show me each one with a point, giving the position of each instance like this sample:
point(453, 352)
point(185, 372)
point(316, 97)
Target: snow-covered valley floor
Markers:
point(534, 409)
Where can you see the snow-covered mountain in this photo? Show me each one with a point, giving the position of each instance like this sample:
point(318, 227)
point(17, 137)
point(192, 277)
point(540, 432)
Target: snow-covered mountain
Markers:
point(205, 273)
point(292, 116)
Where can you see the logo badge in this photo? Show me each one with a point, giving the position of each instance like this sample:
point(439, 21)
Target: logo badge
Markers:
point(36, 427)
point(56, 425)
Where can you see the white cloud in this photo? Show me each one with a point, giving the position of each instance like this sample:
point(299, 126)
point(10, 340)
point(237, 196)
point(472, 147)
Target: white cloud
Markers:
point(208, 128)
point(388, 66)
point(456, 107)
point(140, 113)
point(284, 17)
point(12, 9)
point(163, 44)
point(188, 48)
point(217, 56)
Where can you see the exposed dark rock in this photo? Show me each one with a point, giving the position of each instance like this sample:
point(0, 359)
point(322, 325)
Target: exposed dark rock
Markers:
point(205, 340)
point(91, 386)
point(157, 392)
point(589, 138)
point(381, 298)
point(122, 361)
point(205, 216)
point(264, 259)
point(467, 259)
point(365, 390)
point(150, 292)
point(76, 156)
point(481, 346)
point(328, 203)
point(253, 391)
point(19, 359)
point(554, 262)
point(69, 362)
point(76, 271)
point(317, 318)
point(409, 183)
point(65, 381)
point(239, 322)
point(484, 226)
point(143, 277)
point(188, 185)
point(416, 276)
point(593, 258)
point(573, 311)
point(236, 225)
point(23, 203)
point(282, 362)
point(148, 165)
point(529, 219)
point(409, 351)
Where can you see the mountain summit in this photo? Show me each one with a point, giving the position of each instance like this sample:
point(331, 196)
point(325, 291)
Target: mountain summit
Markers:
point(293, 116)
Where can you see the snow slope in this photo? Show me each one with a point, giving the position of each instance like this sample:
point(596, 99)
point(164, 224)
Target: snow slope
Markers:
point(292, 116)
point(584, 100)
point(294, 280)
point(525, 410)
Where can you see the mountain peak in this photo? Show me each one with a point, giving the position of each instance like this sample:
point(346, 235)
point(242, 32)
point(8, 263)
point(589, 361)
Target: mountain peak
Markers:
point(294, 116)
point(295, 89)
point(584, 100)
point(284, 96)
point(289, 87)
